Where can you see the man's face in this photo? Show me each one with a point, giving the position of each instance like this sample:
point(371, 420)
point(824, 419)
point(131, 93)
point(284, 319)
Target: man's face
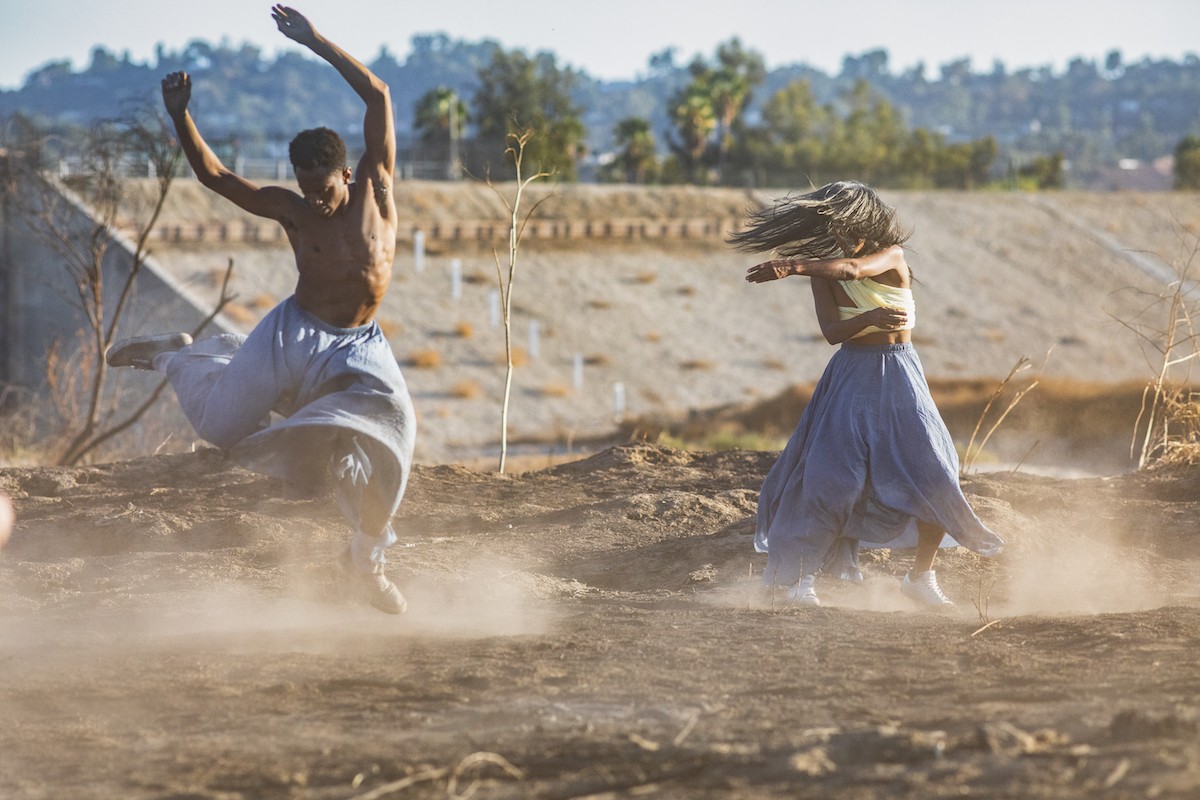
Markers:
point(324, 191)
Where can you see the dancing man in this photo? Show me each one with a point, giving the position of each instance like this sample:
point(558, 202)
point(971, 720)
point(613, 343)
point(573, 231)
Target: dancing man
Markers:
point(318, 359)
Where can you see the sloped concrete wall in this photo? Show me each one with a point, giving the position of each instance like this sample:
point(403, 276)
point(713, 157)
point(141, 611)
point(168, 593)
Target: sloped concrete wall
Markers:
point(40, 310)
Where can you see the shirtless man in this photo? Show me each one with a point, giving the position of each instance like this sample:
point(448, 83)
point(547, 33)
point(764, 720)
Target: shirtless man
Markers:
point(318, 359)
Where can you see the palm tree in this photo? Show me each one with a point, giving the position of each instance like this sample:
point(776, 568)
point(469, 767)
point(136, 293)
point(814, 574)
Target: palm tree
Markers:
point(695, 121)
point(638, 148)
point(441, 116)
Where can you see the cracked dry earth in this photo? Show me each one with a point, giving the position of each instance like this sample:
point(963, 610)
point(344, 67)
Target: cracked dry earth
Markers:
point(171, 628)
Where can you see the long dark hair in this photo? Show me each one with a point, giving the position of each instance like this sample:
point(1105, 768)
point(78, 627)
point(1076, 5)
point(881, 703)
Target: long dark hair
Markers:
point(825, 223)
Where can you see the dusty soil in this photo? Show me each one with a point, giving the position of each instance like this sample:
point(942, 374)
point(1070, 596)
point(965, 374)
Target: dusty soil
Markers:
point(171, 629)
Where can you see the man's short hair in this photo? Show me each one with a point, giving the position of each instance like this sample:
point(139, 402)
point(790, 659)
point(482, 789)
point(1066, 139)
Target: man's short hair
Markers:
point(318, 148)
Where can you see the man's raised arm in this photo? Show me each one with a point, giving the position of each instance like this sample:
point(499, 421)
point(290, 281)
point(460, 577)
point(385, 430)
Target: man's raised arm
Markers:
point(378, 127)
point(265, 202)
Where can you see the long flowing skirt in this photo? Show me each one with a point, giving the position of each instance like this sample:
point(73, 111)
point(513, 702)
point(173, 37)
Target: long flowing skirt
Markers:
point(870, 458)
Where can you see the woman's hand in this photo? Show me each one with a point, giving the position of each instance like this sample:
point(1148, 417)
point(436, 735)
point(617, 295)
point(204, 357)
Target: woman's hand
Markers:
point(887, 319)
point(770, 270)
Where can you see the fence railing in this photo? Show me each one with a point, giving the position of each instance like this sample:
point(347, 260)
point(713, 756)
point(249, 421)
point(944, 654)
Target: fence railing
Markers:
point(252, 231)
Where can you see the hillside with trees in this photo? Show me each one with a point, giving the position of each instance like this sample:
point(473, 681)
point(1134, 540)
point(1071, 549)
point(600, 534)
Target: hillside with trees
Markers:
point(723, 118)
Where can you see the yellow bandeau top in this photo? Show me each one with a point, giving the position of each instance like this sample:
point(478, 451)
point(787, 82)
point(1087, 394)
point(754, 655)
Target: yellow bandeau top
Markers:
point(867, 294)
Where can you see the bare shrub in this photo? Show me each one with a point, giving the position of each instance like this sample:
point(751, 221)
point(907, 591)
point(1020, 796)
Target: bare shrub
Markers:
point(515, 150)
point(1165, 429)
point(90, 411)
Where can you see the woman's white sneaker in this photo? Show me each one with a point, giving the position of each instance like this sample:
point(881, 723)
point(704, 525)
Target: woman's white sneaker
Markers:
point(804, 593)
point(924, 589)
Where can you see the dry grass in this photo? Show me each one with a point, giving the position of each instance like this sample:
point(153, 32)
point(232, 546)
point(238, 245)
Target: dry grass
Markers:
point(646, 277)
point(425, 359)
point(698, 364)
point(464, 330)
point(263, 301)
point(599, 305)
point(555, 390)
point(1179, 441)
point(775, 364)
point(687, 291)
point(653, 337)
point(597, 360)
point(520, 357)
point(389, 327)
point(240, 313)
point(466, 390)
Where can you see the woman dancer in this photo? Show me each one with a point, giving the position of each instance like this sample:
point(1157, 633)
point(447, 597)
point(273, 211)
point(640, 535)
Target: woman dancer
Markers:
point(871, 459)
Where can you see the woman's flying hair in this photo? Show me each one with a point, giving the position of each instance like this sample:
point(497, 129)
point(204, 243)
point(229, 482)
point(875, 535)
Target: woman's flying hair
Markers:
point(825, 223)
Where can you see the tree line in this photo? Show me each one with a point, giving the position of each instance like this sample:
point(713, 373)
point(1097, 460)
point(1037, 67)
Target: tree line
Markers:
point(719, 119)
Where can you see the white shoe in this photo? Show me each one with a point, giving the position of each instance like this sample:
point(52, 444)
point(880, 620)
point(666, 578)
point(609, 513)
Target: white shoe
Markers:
point(924, 589)
point(139, 352)
point(373, 587)
point(804, 593)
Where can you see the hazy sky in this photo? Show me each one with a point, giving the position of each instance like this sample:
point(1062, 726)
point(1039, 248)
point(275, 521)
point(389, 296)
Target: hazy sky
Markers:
point(612, 39)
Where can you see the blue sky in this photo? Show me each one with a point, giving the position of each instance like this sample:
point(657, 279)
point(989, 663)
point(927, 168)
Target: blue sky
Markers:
point(612, 39)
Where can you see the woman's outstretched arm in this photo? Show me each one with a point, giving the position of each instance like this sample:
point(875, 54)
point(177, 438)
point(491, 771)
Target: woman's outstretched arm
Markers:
point(839, 269)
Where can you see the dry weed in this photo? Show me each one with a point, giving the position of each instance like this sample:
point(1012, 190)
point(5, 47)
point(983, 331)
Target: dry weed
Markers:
point(597, 360)
point(599, 305)
point(646, 277)
point(774, 363)
point(520, 357)
point(466, 390)
point(464, 330)
point(555, 390)
point(240, 313)
point(425, 359)
point(697, 364)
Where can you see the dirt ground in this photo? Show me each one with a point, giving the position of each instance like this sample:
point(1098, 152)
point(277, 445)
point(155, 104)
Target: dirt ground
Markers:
point(171, 628)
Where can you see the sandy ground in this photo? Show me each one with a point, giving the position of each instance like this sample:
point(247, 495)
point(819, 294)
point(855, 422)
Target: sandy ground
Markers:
point(1001, 275)
point(172, 629)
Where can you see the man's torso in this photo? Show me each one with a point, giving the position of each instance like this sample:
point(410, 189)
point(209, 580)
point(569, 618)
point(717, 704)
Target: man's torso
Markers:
point(344, 261)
